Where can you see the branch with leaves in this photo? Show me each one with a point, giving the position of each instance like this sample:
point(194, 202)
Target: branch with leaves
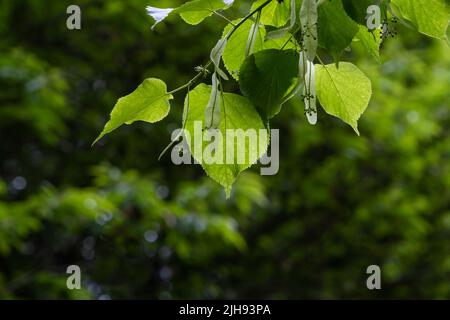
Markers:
point(271, 52)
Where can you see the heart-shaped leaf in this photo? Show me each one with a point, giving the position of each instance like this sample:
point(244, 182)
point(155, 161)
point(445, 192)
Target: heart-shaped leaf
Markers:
point(238, 114)
point(343, 92)
point(149, 103)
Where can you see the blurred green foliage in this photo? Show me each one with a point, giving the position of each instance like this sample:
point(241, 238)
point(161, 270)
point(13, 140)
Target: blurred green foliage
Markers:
point(139, 228)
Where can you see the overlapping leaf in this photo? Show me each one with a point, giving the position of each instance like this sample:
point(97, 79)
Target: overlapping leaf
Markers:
point(336, 29)
point(238, 113)
point(266, 77)
point(234, 54)
point(275, 14)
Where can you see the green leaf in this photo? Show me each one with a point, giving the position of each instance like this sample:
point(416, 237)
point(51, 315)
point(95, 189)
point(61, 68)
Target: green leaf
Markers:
point(196, 11)
point(234, 54)
point(285, 43)
point(343, 92)
point(430, 17)
point(275, 13)
point(266, 77)
point(238, 113)
point(336, 29)
point(149, 103)
point(299, 88)
point(371, 41)
point(280, 33)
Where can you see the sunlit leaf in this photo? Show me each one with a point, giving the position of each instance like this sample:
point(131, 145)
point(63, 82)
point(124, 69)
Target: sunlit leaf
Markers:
point(238, 113)
point(194, 12)
point(234, 54)
point(430, 17)
point(343, 92)
point(275, 13)
point(149, 103)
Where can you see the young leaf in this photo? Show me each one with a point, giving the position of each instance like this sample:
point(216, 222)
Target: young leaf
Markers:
point(275, 13)
point(238, 113)
point(196, 11)
point(430, 17)
point(336, 29)
point(234, 54)
point(343, 92)
point(371, 41)
point(149, 103)
point(212, 111)
point(280, 33)
point(285, 43)
point(266, 77)
point(308, 20)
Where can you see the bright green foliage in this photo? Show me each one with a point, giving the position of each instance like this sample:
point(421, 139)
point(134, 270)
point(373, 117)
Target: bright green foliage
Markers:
point(266, 77)
point(282, 32)
point(343, 92)
point(238, 113)
point(196, 11)
point(336, 29)
point(149, 103)
point(430, 17)
point(285, 43)
point(261, 52)
point(371, 41)
point(234, 53)
point(275, 13)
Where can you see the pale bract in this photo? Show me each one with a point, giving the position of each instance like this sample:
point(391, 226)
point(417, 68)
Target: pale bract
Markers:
point(310, 93)
point(158, 14)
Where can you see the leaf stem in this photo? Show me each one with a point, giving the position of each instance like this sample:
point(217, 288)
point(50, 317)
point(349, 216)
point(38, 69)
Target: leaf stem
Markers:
point(223, 17)
point(192, 81)
point(247, 17)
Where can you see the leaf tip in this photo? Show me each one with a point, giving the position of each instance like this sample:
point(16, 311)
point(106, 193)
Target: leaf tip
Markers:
point(227, 192)
point(101, 135)
point(355, 128)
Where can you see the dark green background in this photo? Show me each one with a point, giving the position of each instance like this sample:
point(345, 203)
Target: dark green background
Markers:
point(142, 228)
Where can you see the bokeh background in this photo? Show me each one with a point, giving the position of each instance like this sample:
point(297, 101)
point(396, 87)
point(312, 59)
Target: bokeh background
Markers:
point(143, 228)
